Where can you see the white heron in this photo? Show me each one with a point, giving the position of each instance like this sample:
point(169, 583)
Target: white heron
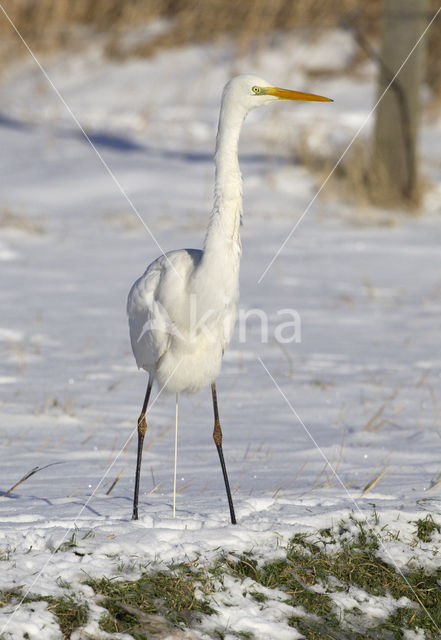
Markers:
point(182, 310)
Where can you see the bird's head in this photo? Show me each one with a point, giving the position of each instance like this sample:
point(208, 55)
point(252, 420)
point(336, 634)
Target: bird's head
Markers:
point(250, 92)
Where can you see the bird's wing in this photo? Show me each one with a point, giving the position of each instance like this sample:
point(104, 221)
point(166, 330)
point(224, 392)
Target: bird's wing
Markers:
point(147, 320)
point(154, 302)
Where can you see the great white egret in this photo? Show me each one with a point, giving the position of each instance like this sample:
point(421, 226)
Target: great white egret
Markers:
point(182, 310)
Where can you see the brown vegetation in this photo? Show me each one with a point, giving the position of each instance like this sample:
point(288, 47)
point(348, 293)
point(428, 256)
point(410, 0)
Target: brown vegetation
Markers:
point(49, 25)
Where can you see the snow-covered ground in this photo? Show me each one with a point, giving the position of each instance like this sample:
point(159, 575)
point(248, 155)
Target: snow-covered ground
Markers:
point(361, 388)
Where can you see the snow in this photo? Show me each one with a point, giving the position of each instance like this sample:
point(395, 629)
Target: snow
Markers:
point(248, 616)
point(364, 380)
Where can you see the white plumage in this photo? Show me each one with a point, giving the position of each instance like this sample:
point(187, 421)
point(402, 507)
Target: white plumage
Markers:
point(182, 310)
point(179, 326)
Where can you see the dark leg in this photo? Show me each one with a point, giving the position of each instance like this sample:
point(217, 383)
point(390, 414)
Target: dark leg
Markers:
point(142, 428)
point(217, 436)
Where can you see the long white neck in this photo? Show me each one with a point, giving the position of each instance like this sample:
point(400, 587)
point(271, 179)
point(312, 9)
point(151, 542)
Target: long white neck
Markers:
point(216, 278)
point(223, 229)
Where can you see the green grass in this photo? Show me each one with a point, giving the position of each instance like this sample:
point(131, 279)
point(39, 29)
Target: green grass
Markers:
point(311, 573)
point(426, 527)
point(70, 612)
point(314, 567)
point(169, 594)
point(356, 562)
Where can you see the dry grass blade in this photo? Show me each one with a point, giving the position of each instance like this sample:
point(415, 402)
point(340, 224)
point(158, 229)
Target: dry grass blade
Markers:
point(283, 487)
point(373, 420)
point(322, 473)
point(185, 486)
point(74, 492)
point(374, 423)
point(335, 467)
point(27, 476)
point(375, 480)
point(112, 486)
point(156, 485)
point(20, 222)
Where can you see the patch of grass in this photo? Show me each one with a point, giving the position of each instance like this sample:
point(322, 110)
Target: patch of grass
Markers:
point(312, 575)
point(71, 613)
point(425, 528)
point(289, 576)
point(174, 595)
point(7, 596)
point(68, 545)
point(316, 630)
point(310, 572)
point(258, 596)
point(6, 554)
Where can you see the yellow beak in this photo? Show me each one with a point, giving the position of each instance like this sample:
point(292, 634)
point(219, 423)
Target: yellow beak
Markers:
point(287, 94)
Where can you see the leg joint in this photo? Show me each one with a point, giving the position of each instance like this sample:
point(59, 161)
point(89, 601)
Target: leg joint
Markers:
point(142, 425)
point(217, 433)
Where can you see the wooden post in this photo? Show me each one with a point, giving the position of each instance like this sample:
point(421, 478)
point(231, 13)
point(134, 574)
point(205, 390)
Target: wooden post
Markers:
point(394, 171)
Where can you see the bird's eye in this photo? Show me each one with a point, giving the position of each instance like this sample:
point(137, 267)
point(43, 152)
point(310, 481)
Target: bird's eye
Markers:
point(255, 89)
